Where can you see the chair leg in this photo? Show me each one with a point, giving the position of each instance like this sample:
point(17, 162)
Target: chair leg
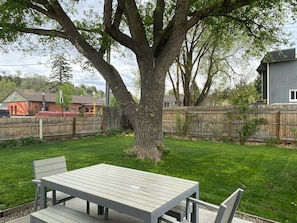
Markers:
point(106, 214)
point(36, 198)
point(100, 210)
point(88, 207)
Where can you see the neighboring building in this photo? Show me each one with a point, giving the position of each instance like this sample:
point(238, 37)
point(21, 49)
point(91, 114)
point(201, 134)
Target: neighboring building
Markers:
point(30, 103)
point(170, 101)
point(278, 70)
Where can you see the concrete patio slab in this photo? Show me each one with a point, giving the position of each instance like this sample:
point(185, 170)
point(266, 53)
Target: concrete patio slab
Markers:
point(205, 216)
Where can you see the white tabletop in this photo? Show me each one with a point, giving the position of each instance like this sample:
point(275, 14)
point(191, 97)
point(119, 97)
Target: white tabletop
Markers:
point(138, 193)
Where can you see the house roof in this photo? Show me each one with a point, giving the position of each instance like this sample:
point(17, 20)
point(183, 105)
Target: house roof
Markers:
point(277, 56)
point(171, 98)
point(51, 97)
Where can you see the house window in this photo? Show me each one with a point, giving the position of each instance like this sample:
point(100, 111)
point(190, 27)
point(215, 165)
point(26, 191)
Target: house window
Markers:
point(293, 95)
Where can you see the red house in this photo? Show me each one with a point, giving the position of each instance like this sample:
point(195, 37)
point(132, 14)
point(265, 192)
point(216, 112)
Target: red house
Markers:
point(28, 103)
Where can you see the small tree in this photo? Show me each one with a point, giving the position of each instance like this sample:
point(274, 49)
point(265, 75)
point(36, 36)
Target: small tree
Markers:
point(247, 126)
point(64, 99)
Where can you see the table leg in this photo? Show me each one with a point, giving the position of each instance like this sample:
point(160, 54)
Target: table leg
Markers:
point(54, 197)
point(195, 216)
point(150, 220)
point(42, 196)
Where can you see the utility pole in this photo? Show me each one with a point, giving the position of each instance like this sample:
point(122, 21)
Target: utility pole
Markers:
point(43, 102)
point(107, 90)
point(61, 102)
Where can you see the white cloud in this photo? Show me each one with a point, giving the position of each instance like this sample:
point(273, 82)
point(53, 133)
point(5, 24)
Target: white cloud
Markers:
point(36, 63)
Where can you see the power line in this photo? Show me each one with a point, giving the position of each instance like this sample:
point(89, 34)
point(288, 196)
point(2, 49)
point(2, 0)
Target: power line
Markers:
point(18, 65)
point(20, 49)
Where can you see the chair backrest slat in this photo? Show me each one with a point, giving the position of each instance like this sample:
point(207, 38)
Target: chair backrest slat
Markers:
point(231, 204)
point(47, 167)
point(220, 214)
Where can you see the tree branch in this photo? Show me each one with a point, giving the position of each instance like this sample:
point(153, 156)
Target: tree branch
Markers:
point(245, 23)
point(136, 26)
point(45, 32)
point(172, 35)
point(119, 14)
point(221, 8)
point(46, 8)
point(158, 18)
point(113, 28)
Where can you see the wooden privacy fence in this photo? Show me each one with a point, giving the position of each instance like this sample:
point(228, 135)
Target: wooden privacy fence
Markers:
point(219, 122)
point(60, 127)
point(49, 127)
point(202, 122)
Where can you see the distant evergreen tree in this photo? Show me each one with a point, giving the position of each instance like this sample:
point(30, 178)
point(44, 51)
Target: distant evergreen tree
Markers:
point(61, 72)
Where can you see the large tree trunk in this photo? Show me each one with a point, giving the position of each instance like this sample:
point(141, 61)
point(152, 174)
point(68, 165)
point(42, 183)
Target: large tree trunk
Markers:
point(148, 135)
point(147, 121)
point(145, 117)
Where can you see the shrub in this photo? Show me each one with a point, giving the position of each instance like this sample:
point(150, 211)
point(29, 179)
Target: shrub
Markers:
point(29, 141)
point(183, 126)
point(247, 126)
point(271, 141)
point(24, 141)
point(9, 143)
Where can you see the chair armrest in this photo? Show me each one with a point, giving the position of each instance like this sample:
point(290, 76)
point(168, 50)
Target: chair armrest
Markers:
point(38, 182)
point(210, 206)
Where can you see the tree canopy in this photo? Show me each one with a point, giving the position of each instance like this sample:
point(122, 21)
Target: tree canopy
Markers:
point(64, 96)
point(6, 86)
point(153, 30)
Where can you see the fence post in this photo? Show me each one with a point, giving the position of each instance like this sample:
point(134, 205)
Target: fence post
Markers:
point(74, 127)
point(104, 119)
point(40, 129)
point(229, 126)
point(278, 126)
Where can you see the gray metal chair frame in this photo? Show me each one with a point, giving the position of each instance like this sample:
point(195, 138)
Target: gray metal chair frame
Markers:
point(225, 211)
point(47, 167)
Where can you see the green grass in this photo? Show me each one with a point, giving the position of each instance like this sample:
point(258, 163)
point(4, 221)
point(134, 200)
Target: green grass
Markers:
point(268, 175)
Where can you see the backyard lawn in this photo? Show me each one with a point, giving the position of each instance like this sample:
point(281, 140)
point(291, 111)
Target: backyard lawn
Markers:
point(268, 175)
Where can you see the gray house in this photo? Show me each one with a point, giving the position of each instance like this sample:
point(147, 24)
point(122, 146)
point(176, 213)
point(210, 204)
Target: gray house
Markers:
point(278, 70)
point(170, 101)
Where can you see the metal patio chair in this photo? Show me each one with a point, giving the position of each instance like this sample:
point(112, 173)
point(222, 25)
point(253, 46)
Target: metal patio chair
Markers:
point(225, 211)
point(47, 167)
